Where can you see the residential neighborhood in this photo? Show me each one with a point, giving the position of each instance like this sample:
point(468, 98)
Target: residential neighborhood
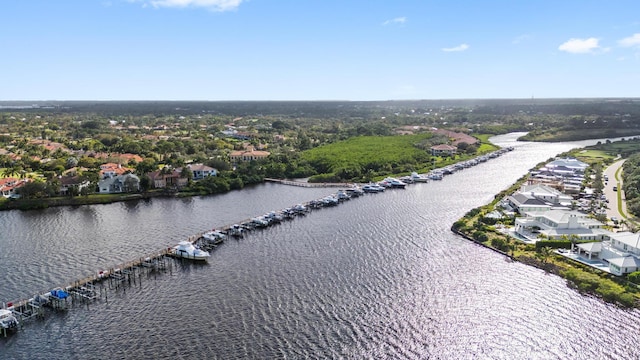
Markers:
point(78, 150)
point(542, 211)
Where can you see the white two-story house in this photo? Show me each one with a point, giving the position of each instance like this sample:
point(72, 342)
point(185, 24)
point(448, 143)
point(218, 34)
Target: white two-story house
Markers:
point(558, 224)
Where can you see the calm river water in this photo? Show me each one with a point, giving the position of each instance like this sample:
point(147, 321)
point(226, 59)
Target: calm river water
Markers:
point(378, 277)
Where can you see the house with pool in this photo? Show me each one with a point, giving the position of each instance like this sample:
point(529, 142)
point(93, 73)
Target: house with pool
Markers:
point(538, 198)
point(621, 252)
point(559, 224)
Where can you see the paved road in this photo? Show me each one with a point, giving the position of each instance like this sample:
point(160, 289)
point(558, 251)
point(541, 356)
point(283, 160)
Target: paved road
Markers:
point(612, 210)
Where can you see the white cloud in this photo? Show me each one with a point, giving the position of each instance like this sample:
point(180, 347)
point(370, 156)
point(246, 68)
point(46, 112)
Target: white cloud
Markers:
point(631, 41)
point(398, 20)
point(581, 46)
point(461, 47)
point(214, 5)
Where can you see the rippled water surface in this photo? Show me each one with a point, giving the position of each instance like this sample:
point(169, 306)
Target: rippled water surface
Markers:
point(378, 277)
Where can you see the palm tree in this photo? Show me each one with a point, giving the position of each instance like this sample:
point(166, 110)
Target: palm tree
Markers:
point(510, 246)
point(12, 170)
point(186, 173)
point(544, 253)
point(4, 160)
point(574, 239)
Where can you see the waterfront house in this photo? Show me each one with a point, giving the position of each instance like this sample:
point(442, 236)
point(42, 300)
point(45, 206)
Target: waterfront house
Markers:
point(119, 184)
point(538, 197)
point(523, 203)
point(557, 224)
point(161, 179)
point(201, 171)
point(547, 194)
point(67, 183)
point(565, 181)
point(443, 150)
point(621, 251)
point(112, 169)
point(8, 186)
point(567, 165)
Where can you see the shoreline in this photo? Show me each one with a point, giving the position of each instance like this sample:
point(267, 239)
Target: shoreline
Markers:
point(584, 279)
point(37, 204)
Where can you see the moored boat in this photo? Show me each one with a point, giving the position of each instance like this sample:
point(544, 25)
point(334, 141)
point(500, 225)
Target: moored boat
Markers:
point(214, 236)
point(236, 231)
point(330, 201)
point(342, 195)
point(300, 209)
point(373, 188)
point(187, 250)
point(435, 175)
point(8, 322)
point(354, 191)
point(394, 183)
point(419, 178)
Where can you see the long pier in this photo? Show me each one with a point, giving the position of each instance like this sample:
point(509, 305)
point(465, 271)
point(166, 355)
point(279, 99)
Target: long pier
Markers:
point(307, 184)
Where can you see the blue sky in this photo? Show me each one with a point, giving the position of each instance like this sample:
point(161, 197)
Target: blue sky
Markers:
point(318, 49)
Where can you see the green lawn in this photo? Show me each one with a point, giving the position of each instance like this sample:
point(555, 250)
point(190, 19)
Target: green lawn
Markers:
point(591, 156)
point(375, 152)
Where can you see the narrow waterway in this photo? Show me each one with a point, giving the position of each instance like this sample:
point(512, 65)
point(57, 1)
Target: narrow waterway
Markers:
point(378, 277)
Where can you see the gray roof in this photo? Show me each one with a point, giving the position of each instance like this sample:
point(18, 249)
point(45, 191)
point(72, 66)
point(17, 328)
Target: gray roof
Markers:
point(540, 188)
point(627, 261)
point(568, 162)
point(592, 247)
point(628, 238)
point(522, 199)
point(200, 167)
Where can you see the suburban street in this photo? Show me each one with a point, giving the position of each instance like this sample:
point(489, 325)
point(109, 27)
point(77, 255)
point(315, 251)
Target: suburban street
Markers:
point(612, 210)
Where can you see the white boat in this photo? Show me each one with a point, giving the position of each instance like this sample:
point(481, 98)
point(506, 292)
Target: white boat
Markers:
point(300, 209)
point(342, 195)
point(330, 201)
point(354, 191)
point(273, 217)
point(7, 320)
point(395, 183)
point(236, 230)
point(260, 222)
point(187, 250)
point(407, 180)
point(419, 178)
point(214, 236)
point(435, 175)
point(373, 188)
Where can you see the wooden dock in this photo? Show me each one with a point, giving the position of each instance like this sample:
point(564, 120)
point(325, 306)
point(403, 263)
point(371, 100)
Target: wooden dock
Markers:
point(307, 184)
point(90, 288)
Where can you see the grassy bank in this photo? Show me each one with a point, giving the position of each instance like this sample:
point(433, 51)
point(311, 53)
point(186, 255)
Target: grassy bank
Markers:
point(34, 204)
